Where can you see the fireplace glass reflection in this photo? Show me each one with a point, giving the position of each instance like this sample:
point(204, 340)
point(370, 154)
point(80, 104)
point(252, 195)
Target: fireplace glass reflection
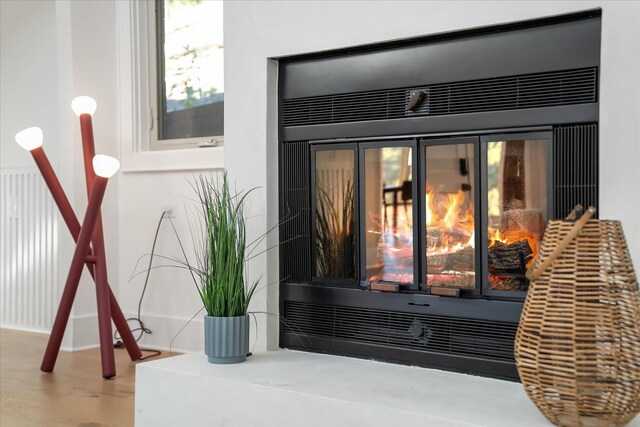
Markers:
point(517, 210)
point(388, 210)
point(449, 216)
point(335, 214)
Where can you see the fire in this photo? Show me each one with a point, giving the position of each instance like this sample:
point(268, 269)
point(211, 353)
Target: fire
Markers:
point(450, 242)
point(450, 217)
point(430, 207)
point(512, 235)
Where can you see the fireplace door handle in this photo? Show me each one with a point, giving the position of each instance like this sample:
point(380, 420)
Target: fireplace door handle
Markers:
point(384, 286)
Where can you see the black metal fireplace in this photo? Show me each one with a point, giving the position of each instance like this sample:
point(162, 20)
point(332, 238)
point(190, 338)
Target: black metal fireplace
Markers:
point(416, 179)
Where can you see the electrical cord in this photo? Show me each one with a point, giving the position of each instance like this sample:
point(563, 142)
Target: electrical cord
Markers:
point(141, 327)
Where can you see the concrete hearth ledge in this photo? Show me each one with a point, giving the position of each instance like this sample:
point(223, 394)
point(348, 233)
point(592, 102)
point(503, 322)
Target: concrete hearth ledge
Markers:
point(290, 388)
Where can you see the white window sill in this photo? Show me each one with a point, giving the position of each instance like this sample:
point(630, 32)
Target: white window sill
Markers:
point(174, 160)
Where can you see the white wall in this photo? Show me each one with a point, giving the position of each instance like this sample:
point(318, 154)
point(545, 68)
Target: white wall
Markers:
point(29, 83)
point(93, 72)
point(170, 299)
point(88, 62)
point(52, 52)
point(28, 95)
point(29, 89)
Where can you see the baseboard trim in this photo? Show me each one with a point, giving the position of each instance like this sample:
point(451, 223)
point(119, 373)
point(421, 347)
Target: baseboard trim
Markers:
point(81, 332)
point(167, 328)
point(23, 328)
point(84, 333)
point(78, 348)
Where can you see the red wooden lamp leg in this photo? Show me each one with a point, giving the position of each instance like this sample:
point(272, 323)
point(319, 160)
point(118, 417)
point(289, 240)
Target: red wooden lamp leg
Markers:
point(73, 279)
point(73, 225)
point(84, 107)
point(102, 284)
point(104, 309)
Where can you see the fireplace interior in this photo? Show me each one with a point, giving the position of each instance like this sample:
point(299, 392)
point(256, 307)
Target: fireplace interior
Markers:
point(416, 179)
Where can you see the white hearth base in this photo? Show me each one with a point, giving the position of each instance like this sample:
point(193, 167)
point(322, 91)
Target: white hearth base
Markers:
point(290, 388)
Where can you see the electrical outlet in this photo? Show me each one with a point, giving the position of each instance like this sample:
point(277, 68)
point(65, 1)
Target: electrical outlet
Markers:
point(170, 211)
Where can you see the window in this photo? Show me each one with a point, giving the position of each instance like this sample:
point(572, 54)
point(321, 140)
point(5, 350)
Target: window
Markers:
point(186, 74)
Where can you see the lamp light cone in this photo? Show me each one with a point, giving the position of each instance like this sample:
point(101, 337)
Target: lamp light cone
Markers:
point(30, 138)
point(84, 105)
point(105, 166)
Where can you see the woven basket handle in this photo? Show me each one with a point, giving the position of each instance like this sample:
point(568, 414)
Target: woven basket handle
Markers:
point(540, 266)
point(574, 213)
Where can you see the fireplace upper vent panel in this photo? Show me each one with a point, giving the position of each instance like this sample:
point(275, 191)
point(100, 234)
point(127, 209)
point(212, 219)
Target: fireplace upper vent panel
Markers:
point(550, 89)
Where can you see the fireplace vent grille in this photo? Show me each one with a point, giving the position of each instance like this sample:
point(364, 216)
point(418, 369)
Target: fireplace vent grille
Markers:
point(548, 89)
point(295, 262)
point(575, 167)
point(418, 332)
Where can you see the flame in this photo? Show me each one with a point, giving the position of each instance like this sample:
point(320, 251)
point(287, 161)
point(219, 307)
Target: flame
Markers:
point(453, 216)
point(453, 210)
point(450, 229)
point(430, 207)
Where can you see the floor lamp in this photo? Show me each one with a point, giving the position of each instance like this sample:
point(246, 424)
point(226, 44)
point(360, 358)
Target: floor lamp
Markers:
point(89, 239)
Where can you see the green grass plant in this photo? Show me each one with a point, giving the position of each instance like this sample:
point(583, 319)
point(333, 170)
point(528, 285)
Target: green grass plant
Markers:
point(221, 249)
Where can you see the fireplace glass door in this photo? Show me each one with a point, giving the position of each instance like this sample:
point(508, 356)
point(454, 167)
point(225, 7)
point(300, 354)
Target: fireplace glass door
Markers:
point(517, 209)
point(449, 214)
point(335, 214)
point(388, 210)
point(456, 216)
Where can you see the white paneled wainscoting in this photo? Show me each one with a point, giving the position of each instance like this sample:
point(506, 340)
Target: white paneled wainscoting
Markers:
point(28, 251)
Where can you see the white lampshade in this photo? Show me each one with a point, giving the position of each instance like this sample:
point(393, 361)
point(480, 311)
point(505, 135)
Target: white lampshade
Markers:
point(29, 138)
point(105, 166)
point(84, 105)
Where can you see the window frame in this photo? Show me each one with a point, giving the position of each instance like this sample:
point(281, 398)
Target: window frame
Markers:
point(155, 17)
point(135, 115)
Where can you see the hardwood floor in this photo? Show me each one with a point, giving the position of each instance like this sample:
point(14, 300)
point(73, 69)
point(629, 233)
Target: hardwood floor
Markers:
point(73, 395)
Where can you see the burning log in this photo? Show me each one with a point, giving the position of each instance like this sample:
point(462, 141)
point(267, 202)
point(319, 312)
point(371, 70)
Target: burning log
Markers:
point(509, 258)
point(455, 261)
point(508, 283)
point(462, 260)
point(436, 238)
point(462, 281)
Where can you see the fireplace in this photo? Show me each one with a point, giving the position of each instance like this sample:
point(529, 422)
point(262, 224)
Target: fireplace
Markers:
point(414, 195)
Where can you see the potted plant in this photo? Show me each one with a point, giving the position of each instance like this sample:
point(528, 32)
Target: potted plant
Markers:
point(219, 271)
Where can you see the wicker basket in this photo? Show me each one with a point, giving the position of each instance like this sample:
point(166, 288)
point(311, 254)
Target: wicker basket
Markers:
point(578, 343)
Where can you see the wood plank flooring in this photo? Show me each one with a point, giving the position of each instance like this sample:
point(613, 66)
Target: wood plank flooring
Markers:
point(75, 394)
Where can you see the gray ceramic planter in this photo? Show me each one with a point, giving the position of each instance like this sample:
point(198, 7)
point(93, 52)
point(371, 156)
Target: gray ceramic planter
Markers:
point(226, 339)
